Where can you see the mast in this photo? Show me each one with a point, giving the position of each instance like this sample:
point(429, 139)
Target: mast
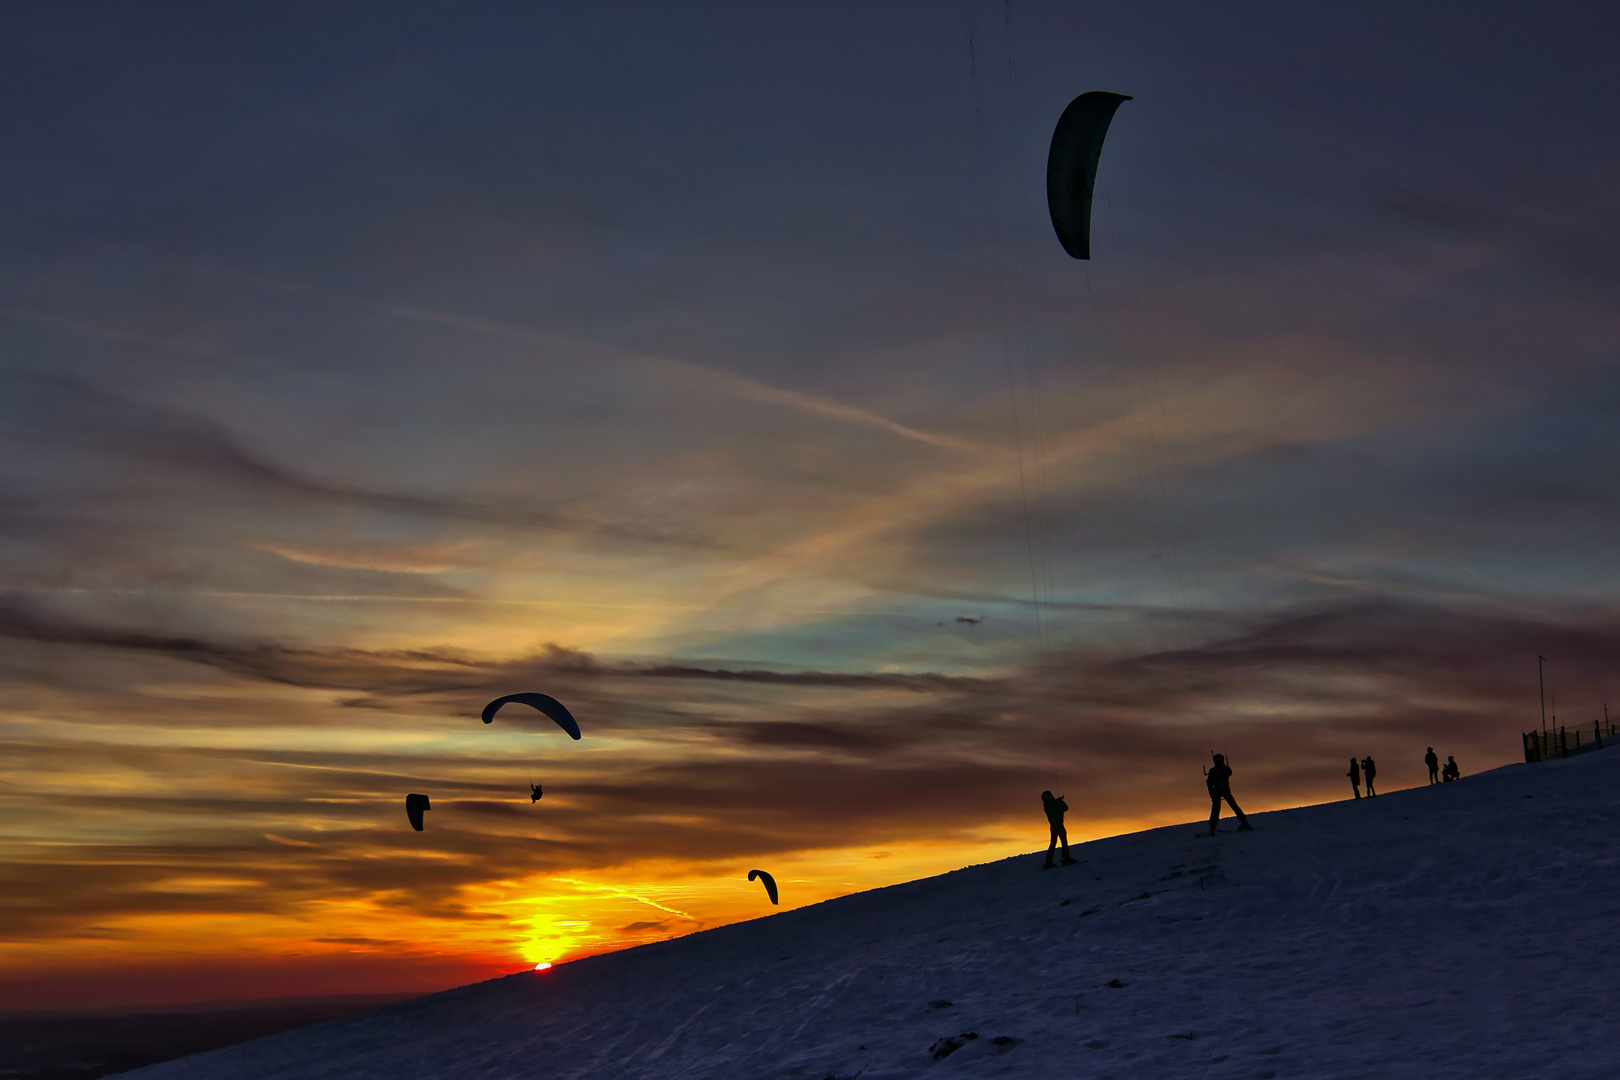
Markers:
point(1541, 678)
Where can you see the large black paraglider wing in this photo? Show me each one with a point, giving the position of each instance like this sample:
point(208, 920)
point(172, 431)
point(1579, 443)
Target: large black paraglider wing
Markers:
point(1071, 167)
point(544, 702)
point(770, 882)
point(414, 805)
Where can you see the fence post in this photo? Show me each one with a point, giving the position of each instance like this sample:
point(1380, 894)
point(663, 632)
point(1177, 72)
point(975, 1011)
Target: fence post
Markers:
point(1597, 732)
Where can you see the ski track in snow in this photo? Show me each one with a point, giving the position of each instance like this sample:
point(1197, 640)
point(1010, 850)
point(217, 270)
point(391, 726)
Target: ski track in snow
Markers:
point(1456, 931)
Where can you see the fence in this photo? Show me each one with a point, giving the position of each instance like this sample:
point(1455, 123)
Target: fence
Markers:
point(1562, 742)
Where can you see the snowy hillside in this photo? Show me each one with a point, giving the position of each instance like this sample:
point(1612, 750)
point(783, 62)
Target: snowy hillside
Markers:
point(1466, 930)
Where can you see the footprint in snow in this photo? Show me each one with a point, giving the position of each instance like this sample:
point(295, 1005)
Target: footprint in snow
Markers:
point(947, 1046)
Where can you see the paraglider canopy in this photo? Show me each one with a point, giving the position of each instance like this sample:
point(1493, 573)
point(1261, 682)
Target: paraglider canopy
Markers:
point(414, 805)
point(544, 702)
point(770, 882)
point(1071, 167)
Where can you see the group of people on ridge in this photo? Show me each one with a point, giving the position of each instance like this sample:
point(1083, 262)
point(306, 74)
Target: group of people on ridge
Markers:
point(1218, 778)
point(1366, 769)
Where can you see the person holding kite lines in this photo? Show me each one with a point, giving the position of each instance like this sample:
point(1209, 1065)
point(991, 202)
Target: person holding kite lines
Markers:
point(1055, 809)
point(1218, 779)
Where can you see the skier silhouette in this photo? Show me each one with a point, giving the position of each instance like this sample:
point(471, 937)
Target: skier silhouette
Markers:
point(1355, 777)
point(1055, 809)
point(1432, 760)
point(1219, 781)
point(1369, 769)
point(1451, 772)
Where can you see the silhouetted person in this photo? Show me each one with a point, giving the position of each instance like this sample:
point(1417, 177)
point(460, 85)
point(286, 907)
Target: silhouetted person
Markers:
point(1451, 772)
point(1432, 760)
point(534, 793)
point(1055, 809)
point(1369, 769)
point(1355, 777)
point(1219, 781)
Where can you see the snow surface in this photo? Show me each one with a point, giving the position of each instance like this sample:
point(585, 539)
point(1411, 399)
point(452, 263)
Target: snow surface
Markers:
point(1465, 930)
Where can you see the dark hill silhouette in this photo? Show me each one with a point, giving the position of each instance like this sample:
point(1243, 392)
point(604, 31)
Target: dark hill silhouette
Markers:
point(58, 1046)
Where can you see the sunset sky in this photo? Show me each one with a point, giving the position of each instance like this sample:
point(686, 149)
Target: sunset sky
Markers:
point(701, 365)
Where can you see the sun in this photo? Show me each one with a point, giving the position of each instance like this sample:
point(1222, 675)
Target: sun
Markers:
point(542, 965)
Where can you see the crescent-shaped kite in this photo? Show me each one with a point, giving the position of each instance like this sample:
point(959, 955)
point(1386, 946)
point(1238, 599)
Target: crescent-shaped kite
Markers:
point(544, 702)
point(770, 882)
point(1071, 167)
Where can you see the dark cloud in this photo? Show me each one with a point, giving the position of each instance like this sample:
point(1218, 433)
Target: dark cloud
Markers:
point(187, 450)
point(789, 734)
point(919, 683)
point(391, 674)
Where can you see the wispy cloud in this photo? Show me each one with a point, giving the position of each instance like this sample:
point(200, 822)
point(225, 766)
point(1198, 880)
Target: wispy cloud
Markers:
point(195, 450)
